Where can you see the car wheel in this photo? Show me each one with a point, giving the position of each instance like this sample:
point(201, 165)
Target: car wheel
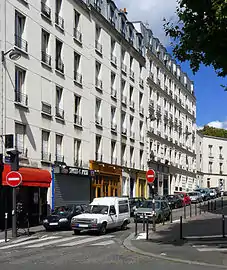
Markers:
point(102, 229)
point(124, 225)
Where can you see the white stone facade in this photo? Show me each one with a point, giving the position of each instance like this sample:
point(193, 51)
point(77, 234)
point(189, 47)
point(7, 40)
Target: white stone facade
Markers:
point(83, 90)
point(211, 161)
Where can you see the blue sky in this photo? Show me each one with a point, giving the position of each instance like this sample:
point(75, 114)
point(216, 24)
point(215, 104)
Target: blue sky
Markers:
point(211, 97)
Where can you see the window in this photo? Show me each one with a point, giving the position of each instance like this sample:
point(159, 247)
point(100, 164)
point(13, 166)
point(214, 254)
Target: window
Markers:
point(221, 167)
point(45, 146)
point(132, 164)
point(20, 137)
point(20, 95)
point(20, 42)
point(113, 57)
point(77, 152)
point(123, 27)
point(112, 210)
point(98, 113)
point(112, 17)
point(124, 123)
point(45, 10)
point(77, 115)
point(113, 118)
point(98, 147)
point(98, 45)
point(123, 208)
point(58, 19)
point(59, 62)
point(45, 57)
point(77, 33)
point(124, 155)
point(59, 102)
point(141, 159)
point(77, 73)
point(113, 152)
point(210, 150)
point(59, 150)
point(210, 166)
point(98, 82)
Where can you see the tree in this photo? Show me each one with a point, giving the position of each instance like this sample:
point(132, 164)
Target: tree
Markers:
point(215, 132)
point(200, 35)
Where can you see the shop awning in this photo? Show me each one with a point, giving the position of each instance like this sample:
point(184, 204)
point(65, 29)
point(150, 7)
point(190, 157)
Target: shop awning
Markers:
point(31, 177)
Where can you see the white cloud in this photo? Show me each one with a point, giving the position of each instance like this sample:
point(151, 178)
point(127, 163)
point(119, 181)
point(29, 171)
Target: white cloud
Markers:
point(218, 124)
point(151, 11)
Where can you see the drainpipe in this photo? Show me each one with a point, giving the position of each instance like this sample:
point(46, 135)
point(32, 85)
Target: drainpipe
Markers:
point(53, 187)
point(120, 113)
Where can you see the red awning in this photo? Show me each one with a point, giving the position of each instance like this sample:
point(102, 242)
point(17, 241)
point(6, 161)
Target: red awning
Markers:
point(31, 177)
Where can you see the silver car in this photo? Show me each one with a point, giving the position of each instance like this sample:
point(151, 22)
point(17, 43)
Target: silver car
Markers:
point(196, 197)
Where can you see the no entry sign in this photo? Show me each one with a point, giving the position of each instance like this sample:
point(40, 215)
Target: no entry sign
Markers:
point(13, 179)
point(150, 175)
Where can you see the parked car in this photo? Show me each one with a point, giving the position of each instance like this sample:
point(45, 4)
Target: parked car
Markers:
point(185, 197)
point(104, 213)
point(204, 192)
point(218, 191)
point(135, 203)
point(174, 201)
point(162, 211)
point(213, 193)
point(195, 196)
point(61, 217)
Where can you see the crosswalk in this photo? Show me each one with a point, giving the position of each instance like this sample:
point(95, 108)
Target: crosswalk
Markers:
point(59, 241)
point(211, 246)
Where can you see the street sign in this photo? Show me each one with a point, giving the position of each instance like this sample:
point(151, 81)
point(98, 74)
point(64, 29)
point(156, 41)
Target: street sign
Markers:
point(150, 175)
point(13, 179)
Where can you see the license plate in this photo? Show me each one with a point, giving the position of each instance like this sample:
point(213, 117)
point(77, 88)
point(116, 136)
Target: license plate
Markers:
point(53, 224)
point(83, 225)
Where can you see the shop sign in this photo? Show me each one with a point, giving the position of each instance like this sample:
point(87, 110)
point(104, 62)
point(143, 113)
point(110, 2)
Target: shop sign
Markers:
point(75, 171)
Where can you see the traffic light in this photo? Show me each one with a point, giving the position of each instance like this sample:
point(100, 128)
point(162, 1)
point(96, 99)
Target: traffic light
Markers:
point(14, 159)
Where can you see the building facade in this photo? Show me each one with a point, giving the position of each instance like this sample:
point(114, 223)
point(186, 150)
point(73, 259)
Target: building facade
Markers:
point(211, 161)
point(95, 99)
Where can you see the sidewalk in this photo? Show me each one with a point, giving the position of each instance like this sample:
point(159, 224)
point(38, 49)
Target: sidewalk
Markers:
point(21, 233)
point(200, 231)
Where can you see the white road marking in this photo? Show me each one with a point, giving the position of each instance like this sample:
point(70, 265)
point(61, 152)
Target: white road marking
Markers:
point(104, 243)
point(176, 221)
point(211, 249)
point(84, 241)
point(199, 246)
point(141, 236)
point(203, 237)
point(3, 240)
point(28, 242)
point(52, 242)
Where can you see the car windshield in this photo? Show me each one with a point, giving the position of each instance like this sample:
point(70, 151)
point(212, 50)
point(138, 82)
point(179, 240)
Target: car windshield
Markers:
point(99, 209)
point(148, 204)
point(61, 210)
point(193, 194)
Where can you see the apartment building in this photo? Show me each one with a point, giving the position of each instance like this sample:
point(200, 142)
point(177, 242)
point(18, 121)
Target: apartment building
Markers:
point(95, 100)
point(211, 161)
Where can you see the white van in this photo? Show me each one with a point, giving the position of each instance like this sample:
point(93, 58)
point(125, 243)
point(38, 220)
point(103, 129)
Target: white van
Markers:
point(104, 213)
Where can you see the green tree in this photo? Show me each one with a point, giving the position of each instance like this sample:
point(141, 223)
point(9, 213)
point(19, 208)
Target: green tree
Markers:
point(215, 132)
point(200, 35)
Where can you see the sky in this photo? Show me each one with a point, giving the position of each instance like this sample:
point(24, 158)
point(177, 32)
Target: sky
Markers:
point(211, 97)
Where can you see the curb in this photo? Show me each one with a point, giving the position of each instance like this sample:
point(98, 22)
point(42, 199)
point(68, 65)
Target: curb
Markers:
point(128, 245)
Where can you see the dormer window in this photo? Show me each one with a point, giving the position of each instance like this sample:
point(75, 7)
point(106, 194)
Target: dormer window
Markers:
point(130, 35)
point(98, 5)
point(123, 26)
point(140, 44)
point(112, 17)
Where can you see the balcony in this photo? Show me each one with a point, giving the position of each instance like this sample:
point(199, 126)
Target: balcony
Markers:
point(132, 104)
point(113, 127)
point(113, 160)
point(113, 59)
point(97, 6)
point(166, 89)
point(166, 116)
point(171, 93)
point(45, 58)
point(221, 157)
point(59, 113)
point(21, 43)
point(98, 47)
point(98, 156)
point(151, 75)
point(124, 162)
point(130, 40)
point(159, 133)
point(124, 68)
point(132, 135)
point(158, 82)
point(124, 99)
point(141, 110)
point(124, 131)
point(59, 158)
point(46, 108)
point(141, 82)
point(78, 162)
point(113, 93)
point(142, 139)
point(78, 77)
point(21, 98)
point(78, 120)
point(45, 10)
point(98, 84)
point(59, 65)
point(59, 21)
point(132, 74)
point(98, 120)
point(77, 35)
point(112, 21)
point(45, 156)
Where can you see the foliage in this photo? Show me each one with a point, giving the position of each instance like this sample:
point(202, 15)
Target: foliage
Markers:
point(200, 35)
point(215, 132)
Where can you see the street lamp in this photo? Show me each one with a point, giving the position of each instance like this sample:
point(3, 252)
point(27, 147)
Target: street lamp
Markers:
point(13, 55)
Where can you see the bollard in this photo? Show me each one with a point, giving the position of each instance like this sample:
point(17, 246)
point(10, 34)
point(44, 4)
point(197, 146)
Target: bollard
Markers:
point(222, 202)
point(181, 228)
point(208, 206)
point(143, 222)
point(136, 224)
point(204, 207)
point(211, 206)
point(147, 228)
point(200, 208)
point(28, 225)
point(190, 209)
point(223, 226)
point(171, 215)
point(6, 225)
point(184, 211)
point(163, 219)
point(196, 209)
point(215, 205)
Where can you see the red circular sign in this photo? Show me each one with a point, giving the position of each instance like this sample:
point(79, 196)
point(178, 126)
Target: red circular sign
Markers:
point(150, 175)
point(13, 179)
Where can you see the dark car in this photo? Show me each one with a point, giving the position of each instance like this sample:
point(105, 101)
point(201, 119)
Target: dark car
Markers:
point(174, 201)
point(135, 203)
point(62, 215)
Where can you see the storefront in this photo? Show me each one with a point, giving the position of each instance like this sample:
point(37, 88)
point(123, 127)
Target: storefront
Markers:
point(72, 185)
point(106, 179)
point(32, 193)
point(141, 185)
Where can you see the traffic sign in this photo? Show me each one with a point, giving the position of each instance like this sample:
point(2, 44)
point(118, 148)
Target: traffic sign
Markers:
point(150, 175)
point(13, 179)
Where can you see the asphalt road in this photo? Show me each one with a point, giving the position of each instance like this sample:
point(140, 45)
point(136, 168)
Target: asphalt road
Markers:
point(105, 252)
